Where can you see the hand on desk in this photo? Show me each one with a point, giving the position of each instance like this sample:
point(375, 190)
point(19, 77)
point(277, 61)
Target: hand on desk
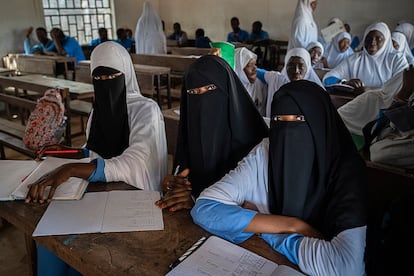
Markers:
point(56, 177)
point(177, 192)
point(357, 84)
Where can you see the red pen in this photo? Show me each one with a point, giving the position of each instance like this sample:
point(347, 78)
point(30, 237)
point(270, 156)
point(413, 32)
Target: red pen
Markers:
point(67, 151)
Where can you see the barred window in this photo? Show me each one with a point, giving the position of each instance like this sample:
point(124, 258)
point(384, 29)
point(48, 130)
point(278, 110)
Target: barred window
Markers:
point(80, 19)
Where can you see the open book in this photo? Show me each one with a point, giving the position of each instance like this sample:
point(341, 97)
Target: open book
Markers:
point(220, 257)
point(100, 212)
point(16, 175)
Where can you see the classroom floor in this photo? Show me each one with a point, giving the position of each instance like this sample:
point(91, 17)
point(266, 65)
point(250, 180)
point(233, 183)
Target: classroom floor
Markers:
point(13, 257)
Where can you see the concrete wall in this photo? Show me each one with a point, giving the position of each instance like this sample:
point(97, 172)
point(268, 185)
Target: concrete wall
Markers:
point(214, 16)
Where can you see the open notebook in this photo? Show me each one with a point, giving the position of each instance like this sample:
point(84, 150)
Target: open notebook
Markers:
point(16, 175)
point(220, 257)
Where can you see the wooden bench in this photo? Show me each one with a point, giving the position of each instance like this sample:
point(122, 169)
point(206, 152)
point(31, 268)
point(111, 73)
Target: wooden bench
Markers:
point(11, 132)
point(189, 51)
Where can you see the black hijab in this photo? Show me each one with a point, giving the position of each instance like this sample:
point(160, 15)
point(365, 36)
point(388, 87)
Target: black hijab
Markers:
point(315, 172)
point(217, 128)
point(109, 132)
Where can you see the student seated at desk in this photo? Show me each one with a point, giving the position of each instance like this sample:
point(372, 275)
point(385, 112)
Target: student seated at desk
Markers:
point(338, 50)
point(237, 35)
point(399, 41)
point(408, 30)
point(178, 35)
point(125, 135)
point(103, 36)
point(201, 41)
point(66, 46)
point(122, 39)
point(45, 44)
point(312, 211)
point(257, 32)
point(371, 67)
point(316, 51)
point(219, 125)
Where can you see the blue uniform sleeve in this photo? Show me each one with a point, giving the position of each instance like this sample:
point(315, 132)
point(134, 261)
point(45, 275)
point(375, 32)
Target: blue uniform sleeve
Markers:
point(331, 80)
point(286, 244)
point(98, 174)
point(226, 221)
point(260, 73)
point(27, 46)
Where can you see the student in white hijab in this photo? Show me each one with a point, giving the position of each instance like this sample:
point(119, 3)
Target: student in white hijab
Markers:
point(125, 131)
point(408, 30)
point(365, 108)
point(316, 51)
point(149, 35)
point(338, 49)
point(298, 66)
point(400, 44)
point(246, 70)
point(371, 67)
point(303, 29)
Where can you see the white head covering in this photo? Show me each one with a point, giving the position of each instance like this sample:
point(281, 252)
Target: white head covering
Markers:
point(149, 36)
point(408, 30)
point(304, 29)
point(333, 55)
point(314, 44)
point(242, 58)
point(112, 54)
point(375, 69)
point(403, 46)
point(304, 54)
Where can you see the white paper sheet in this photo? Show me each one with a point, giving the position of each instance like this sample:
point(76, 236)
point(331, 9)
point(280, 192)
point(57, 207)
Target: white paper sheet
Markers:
point(114, 211)
point(12, 172)
point(220, 257)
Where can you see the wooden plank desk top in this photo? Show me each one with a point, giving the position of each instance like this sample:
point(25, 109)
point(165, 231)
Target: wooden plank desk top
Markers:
point(40, 83)
point(139, 68)
point(56, 58)
point(128, 253)
point(6, 71)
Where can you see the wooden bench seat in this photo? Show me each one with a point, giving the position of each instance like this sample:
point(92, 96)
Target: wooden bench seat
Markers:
point(11, 134)
point(83, 109)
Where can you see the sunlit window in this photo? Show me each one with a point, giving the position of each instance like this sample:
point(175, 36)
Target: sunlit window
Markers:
point(80, 19)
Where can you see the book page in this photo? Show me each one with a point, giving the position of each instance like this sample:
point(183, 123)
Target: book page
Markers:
point(64, 217)
point(114, 211)
point(73, 188)
point(12, 173)
point(329, 32)
point(132, 211)
point(217, 256)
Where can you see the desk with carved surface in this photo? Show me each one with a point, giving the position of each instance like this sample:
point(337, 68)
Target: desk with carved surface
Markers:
point(128, 253)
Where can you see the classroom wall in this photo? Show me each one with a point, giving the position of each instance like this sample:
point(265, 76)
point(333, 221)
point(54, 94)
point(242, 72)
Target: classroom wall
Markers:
point(214, 16)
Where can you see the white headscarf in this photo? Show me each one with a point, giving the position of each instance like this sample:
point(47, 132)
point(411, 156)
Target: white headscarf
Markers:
point(314, 44)
point(242, 58)
point(403, 46)
point(304, 54)
point(149, 36)
point(375, 69)
point(333, 55)
point(408, 30)
point(304, 29)
point(112, 54)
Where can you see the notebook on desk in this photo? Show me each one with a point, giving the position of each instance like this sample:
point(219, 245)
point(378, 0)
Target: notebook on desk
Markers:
point(217, 256)
point(18, 174)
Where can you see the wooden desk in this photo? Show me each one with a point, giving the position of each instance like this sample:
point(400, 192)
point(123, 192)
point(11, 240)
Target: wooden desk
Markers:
point(171, 120)
point(42, 64)
point(129, 253)
point(151, 79)
point(189, 51)
point(40, 83)
point(6, 71)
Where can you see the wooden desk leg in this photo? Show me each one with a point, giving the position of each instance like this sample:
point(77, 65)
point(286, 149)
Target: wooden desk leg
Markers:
point(31, 254)
point(158, 90)
point(169, 91)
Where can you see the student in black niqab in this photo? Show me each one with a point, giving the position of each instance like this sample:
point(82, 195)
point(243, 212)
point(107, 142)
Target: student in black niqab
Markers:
point(315, 172)
point(109, 133)
point(217, 128)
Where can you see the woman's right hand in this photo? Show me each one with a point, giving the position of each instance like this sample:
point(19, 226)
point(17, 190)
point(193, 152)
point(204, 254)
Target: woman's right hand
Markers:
point(357, 84)
point(177, 192)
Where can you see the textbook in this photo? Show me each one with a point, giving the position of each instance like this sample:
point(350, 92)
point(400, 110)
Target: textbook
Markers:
point(217, 256)
point(102, 212)
point(329, 32)
point(16, 175)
